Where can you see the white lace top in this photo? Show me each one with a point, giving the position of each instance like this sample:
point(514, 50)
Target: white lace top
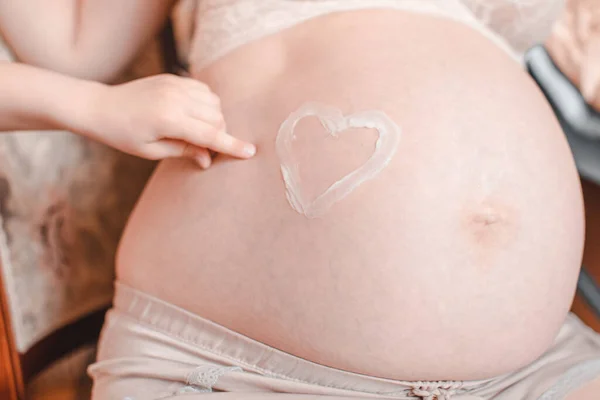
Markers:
point(220, 26)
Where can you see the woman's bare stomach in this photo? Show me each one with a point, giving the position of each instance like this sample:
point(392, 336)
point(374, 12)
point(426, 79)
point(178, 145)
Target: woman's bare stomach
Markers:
point(458, 261)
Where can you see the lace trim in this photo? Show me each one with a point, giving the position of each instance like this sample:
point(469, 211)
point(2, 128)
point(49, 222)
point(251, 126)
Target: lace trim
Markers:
point(522, 23)
point(436, 390)
point(224, 25)
point(203, 378)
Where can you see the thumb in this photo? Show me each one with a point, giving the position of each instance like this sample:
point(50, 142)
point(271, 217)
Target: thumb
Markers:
point(170, 148)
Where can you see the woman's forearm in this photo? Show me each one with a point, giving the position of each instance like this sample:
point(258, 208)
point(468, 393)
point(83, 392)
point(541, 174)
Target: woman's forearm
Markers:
point(32, 98)
point(91, 39)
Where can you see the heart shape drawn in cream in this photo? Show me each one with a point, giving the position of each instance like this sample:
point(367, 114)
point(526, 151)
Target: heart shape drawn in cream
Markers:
point(335, 122)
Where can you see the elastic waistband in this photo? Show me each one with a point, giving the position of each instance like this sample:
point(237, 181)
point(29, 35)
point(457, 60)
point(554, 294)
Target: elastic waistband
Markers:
point(233, 348)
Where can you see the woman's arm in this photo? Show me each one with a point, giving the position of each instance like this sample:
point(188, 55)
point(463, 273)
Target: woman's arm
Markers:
point(31, 98)
point(91, 39)
point(157, 117)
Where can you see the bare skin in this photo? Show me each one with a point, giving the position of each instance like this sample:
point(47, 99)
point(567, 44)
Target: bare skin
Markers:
point(157, 117)
point(393, 269)
point(84, 39)
point(431, 271)
point(575, 47)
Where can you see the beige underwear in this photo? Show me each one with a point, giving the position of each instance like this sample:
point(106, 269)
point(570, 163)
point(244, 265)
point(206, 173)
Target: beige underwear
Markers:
point(207, 30)
point(152, 350)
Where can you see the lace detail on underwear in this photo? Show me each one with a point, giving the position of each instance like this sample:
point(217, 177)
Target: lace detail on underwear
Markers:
point(443, 390)
point(522, 23)
point(572, 380)
point(224, 25)
point(203, 378)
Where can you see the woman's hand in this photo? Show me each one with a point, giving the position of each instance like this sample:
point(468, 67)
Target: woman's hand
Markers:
point(575, 47)
point(164, 116)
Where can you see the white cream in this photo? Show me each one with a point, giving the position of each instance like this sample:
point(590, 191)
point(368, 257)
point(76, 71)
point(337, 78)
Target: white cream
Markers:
point(335, 122)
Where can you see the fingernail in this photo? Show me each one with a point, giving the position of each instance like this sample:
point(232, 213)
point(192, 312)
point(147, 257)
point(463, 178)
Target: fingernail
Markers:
point(249, 150)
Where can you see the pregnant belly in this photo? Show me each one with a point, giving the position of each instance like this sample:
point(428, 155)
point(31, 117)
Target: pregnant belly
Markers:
point(457, 261)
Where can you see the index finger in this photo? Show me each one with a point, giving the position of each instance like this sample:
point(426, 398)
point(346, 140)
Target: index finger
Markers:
point(202, 134)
